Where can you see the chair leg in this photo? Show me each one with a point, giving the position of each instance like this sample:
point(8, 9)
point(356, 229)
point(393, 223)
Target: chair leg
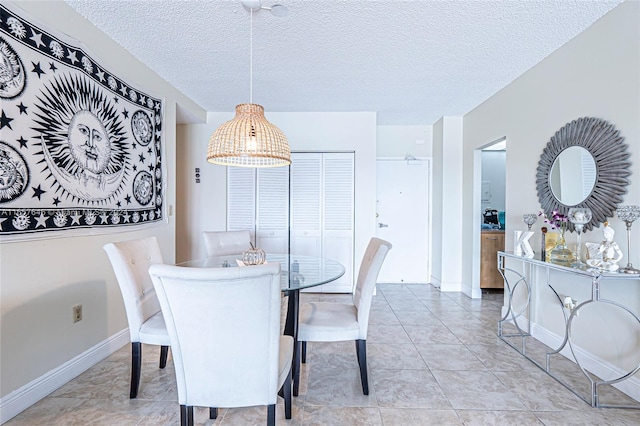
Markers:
point(186, 415)
point(164, 350)
point(136, 365)
point(286, 394)
point(213, 412)
point(362, 360)
point(271, 415)
point(303, 357)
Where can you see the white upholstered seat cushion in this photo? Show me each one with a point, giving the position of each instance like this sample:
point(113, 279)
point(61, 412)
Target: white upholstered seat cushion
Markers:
point(154, 331)
point(328, 322)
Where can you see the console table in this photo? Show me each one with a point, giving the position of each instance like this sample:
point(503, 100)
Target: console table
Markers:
point(515, 326)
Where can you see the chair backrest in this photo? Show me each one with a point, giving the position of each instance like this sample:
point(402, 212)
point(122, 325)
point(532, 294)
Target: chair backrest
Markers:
point(367, 276)
point(224, 327)
point(130, 261)
point(225, 243)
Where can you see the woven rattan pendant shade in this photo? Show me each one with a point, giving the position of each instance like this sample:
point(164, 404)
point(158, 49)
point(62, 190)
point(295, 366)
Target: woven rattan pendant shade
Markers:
point(249, 140)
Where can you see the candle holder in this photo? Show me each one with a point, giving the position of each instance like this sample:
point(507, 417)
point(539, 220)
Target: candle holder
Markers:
point(530, 219)
point(579, 217)
point(628, 214)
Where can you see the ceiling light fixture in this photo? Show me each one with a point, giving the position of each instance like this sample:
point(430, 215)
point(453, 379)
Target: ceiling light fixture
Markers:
point(249, 140)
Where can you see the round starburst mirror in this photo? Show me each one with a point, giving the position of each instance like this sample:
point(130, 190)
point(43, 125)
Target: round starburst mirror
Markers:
point(585, 164)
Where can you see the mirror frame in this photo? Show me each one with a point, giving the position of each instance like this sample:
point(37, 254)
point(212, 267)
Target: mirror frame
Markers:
point(611, 156)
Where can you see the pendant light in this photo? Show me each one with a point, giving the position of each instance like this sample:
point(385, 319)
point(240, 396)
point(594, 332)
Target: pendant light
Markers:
point(249, 140)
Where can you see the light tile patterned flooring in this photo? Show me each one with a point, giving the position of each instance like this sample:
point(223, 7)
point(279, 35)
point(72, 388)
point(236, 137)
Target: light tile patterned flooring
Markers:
point(434, 359)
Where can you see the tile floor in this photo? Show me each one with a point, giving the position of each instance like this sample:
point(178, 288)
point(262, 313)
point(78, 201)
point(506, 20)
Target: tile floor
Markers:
point(434, 359)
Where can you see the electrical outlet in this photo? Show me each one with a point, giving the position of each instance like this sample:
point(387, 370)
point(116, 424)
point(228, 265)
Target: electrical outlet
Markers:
point(77, 313)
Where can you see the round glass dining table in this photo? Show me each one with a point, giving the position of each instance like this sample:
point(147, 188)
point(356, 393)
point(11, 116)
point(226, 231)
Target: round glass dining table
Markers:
point(296, 273)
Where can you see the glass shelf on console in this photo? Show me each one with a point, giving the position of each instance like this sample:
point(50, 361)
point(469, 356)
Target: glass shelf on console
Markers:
point(585, 270)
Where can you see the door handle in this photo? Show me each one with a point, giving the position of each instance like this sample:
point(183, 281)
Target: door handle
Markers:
point(382, 225)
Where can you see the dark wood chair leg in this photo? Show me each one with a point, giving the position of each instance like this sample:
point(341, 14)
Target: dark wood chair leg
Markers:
point(184, 421)
point(362, 360)
point(190, 421)
point(357, 351)
point(303, 357)
point(136, 365)
point(213, 412)
point(271, 415)
point(164, 351)
point(286, 394)
point(295, 369)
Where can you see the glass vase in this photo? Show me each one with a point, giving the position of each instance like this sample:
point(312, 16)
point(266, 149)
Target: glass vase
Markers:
point(560, 253)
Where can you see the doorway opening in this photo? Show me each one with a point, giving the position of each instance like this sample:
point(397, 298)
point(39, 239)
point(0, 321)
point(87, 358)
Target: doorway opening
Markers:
point(490, 214)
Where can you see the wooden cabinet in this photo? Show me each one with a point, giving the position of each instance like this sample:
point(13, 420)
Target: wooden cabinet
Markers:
point(491, 242)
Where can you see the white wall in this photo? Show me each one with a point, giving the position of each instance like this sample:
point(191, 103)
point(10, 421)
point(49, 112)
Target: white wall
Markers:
point(446, 206)
point(399, 141)
point(202, 206)
point(596, 74)
point(41, 280)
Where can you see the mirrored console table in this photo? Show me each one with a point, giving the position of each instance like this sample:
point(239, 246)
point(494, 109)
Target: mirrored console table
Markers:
point(525, 280)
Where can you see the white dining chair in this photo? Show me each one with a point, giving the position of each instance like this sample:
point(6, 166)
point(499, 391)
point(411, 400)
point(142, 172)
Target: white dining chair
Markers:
point(130, 261)
point(225, 243)
point(224, 326)
point(334, 322)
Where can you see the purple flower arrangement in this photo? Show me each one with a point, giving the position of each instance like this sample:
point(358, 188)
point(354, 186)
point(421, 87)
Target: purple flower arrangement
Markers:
point(556, 220)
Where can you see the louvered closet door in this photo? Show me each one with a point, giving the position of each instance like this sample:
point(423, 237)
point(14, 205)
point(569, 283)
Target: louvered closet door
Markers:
point(337, 227)
point(241, 199)
point(319, 200)
point(306, 204)
point(322, 192)
point(272, 224)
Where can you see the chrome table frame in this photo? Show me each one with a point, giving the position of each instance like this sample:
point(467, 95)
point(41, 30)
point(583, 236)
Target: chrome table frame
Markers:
point(521, 318)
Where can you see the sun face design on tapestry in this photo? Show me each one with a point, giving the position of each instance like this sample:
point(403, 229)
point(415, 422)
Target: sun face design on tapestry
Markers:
point(83, 139)
point(79, 146)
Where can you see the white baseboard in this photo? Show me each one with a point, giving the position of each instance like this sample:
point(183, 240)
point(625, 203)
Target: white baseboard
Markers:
point(21, 399)
point(590, 362)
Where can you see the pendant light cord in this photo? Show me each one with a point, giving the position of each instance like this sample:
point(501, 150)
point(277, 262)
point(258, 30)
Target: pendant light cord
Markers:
point(251, 60)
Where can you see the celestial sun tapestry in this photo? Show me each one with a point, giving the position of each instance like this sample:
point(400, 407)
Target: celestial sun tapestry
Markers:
point(80, 148)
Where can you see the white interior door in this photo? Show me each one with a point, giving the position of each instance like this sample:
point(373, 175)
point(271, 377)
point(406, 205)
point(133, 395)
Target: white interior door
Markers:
point(403, 218)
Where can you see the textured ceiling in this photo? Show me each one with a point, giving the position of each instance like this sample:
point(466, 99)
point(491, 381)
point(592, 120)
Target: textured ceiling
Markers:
point(410, 61)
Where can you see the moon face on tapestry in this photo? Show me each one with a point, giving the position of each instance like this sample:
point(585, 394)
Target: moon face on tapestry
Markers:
point(80, 147)
point(83, 139)
point(14, 176)
point(12, 74)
